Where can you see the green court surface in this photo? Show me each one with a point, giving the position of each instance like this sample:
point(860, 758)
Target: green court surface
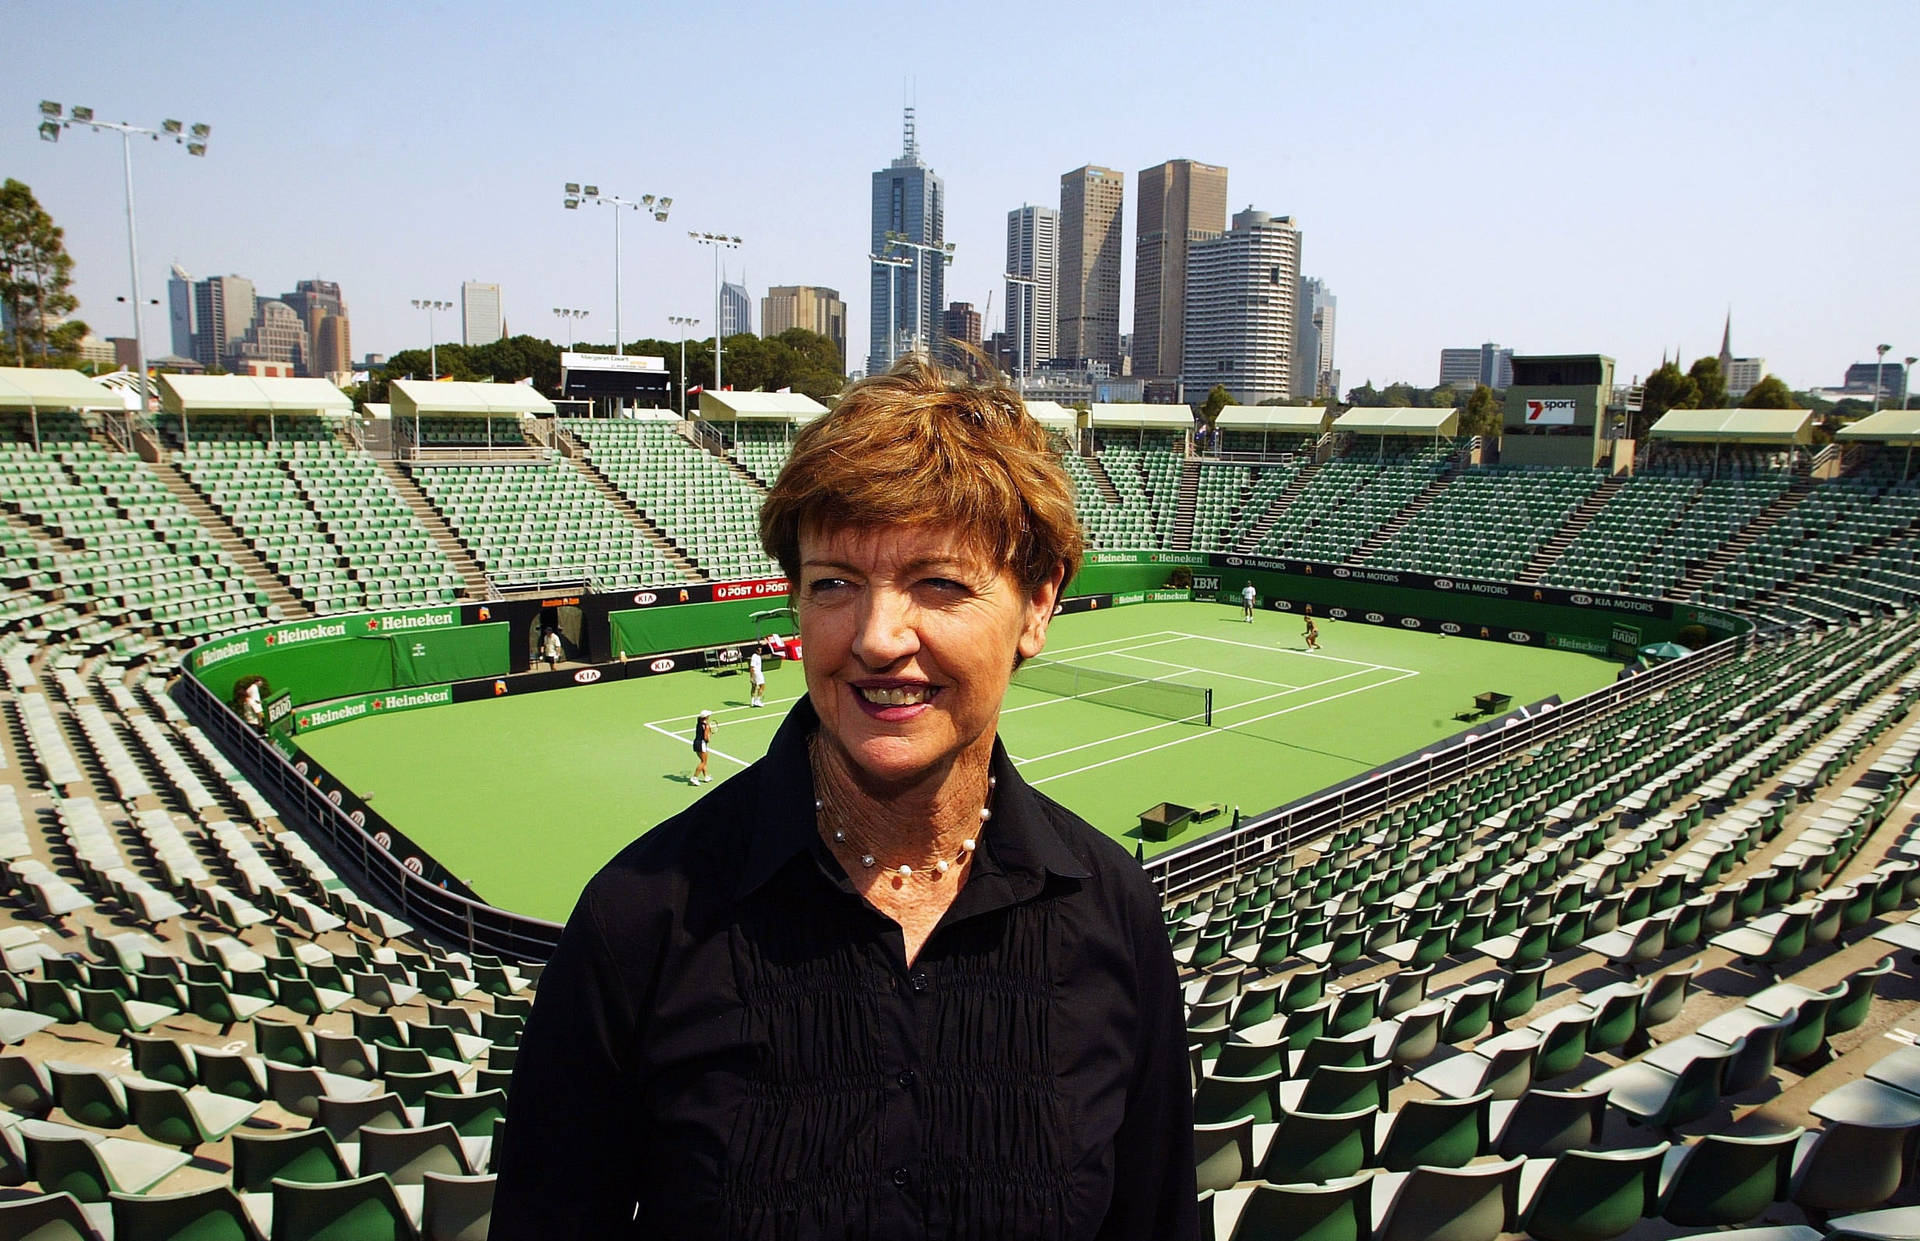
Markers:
point(525, 797)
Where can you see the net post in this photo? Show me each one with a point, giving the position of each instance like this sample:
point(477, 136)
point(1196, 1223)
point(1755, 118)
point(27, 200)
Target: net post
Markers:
point(1209, 708)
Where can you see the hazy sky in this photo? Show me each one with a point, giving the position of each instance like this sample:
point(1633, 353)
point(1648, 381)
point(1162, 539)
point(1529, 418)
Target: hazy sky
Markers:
point(1555, 177)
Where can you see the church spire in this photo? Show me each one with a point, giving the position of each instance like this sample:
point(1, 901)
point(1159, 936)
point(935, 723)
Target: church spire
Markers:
point(1726, 343)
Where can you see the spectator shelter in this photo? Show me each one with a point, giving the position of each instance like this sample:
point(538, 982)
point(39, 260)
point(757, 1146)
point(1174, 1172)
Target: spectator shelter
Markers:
point(1889, 426)
point(415, 399)
point(1441, 424)
point(1147, 420)
point(33, 389)
point(1265, 430)
point(759, 407)
point(1746, 428)
point(1061, 420)
point(186, 395)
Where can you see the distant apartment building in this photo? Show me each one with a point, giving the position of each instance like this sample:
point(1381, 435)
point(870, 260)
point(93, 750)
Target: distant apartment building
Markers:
point(275, 344)
point(736, 310)
point(223, 310)
point(1314, 375)
point(813, 307)
point(1240, 309)
point(482, 319)
point(1091, 199)
point(1033, 253)
point(180, 311)
point(1889, 377)
point(959, 331)
point(1181, 202)
point(323, 312)
point(1488, 364)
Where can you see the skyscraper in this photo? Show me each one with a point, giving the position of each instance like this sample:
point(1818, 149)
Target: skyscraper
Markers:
point(324, 314)
point(1314, 375)
point(1181, 202)
point(482, 320)
point(959, 328)
point(1240, 311)
point(222, 313)
point(1091, 198)
point(813, 307)
point(1033, 251)
point(736, 310)
point(909, 199)
point(275, 342)
point(1488, 364)
point(180, 311)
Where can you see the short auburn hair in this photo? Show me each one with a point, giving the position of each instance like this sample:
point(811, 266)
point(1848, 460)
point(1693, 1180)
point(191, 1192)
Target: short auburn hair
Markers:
point(920, 446)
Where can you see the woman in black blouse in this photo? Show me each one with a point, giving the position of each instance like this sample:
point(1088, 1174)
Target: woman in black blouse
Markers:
point(875, 986)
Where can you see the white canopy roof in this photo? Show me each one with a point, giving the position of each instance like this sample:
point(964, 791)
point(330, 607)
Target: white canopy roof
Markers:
point(1164, 417)
point(33, 387)
point(1055, 415)
point(1889, 426)
point(245, 394)
point(1742, 426)
point(413, 398)
point(1399, 421)
point(1301, 419)
point(767, 406)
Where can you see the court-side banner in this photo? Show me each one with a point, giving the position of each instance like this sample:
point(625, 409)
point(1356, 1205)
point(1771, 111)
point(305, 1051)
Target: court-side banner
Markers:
point(1457, 585)
point(326, 629)
point(385, 837)
point(1550, 413)
point(359, 706)
point(1420, 624)
point(705, 592)
point(1193, 560)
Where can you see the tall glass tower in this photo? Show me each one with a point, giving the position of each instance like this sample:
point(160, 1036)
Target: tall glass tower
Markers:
point(907, 198)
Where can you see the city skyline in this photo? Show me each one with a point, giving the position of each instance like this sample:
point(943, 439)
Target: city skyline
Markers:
point(1427, 214)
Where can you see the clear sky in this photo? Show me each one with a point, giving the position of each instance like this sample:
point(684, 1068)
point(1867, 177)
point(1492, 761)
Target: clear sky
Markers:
point(1554, 177)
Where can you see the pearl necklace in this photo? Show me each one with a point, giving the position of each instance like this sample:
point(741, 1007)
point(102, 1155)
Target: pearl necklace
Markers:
point(842, 836)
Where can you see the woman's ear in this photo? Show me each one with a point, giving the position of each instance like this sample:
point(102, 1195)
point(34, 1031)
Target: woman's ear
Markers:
point(1040, 606)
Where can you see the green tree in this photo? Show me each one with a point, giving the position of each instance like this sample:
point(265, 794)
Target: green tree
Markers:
point(1483, 415)
point(1668, 388)
point(1711, 383)
point(1398, 396)
point(1769, 393)
point(1218, 399)
point(1363, 397)
point(36, 277)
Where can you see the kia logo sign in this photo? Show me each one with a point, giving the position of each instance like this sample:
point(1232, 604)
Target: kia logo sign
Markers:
point(661, 665)
point(646, 597)
point(1059, 608)
point(1234, 560)
point(334, 797)
point(1449, 627)
point(1281, 605)
point(358, 818)
point(1518, 636)
point(383, 839)
point(1409, 622)
point(1343, 573)
point(731, 655)
point(1375, 617)
point(586, 676)
point(414, 864)
point(1337, 613)
point(1442, 583)
point(1582, 600)
point(301, 768)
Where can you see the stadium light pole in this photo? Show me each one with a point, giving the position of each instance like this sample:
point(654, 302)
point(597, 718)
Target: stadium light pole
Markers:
point(655, 207)
point(1020, 368)
point(53, 120)
point(719, 242)
point(900, 241)
point(1879, 374)
point(1906, 381)
point(430, 305)
point(683, 323)
point(893, 327)
point(572, 317)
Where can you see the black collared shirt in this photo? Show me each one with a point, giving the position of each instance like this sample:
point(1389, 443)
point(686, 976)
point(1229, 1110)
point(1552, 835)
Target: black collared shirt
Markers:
point(729, 1043)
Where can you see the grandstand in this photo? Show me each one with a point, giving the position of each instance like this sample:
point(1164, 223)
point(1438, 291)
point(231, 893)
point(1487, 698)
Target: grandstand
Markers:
point(1642, 967)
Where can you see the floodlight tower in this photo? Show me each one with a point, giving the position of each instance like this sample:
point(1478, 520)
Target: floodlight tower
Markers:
point(885, 259)
point(1879, 374)
point(655, 207)
point(572, 317)
point(430, 305)
point(942, 253)
point(719, 242)
point(54, 119)
point(683, 323)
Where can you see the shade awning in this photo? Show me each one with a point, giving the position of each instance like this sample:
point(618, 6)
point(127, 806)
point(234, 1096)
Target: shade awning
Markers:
point(1054, 416)
point(1399, 421)
point(246, 394)
point(1736, 426)
point(1889, 426)
point(416, 398)
point(33, 387)
point(1149, 417)
point(757, 406)
point(1291, 419)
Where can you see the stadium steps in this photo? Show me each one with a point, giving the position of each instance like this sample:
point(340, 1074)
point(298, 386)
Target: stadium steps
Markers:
point(229, 540)
point(1108, 492)
point(477, 585)
point(1188, 504)
point(625, 507)
point(1288, 494)
point(1383, 534)
point(565, 444)
point(1557, 546)
point(1704, 572)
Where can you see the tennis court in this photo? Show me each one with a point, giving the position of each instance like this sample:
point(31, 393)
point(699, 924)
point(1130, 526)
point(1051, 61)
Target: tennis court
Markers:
point(525, 797)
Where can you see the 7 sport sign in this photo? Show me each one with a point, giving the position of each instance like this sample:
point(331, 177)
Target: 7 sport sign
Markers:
point(1549, 413)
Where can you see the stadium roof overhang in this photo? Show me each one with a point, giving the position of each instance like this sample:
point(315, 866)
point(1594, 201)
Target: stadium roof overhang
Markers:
point(1286, 419)
point(412, 398)
point(1889, 426)
point(1443, 423)
point(1736, 426)
point(186, 395)
point(757, 406)
point(1145, 417)
point(1054, 416)
point(34, 388)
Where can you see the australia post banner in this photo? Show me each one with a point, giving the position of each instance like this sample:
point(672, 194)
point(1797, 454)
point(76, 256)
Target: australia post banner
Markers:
point(1658, 608)
point(703, 592)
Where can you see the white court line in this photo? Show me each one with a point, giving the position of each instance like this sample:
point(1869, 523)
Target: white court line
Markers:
point(1210, 672)
point(1281, 650)
point(1218, 712)
point(1126, 758)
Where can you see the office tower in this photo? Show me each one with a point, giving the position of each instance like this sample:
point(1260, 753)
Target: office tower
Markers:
point(736, 310)
point(482, 320)
point(180, 311)
point(1091, 199)
point(1488, 364)
point(1314, 375)
point(1889, 377)
point(1033, 252)
point(813, 307)
point(1181, 202)
point(1239, 309)
point(275, 343)
point(909, 199)
point(959, 329)
point(323, 312)
point(222, 313)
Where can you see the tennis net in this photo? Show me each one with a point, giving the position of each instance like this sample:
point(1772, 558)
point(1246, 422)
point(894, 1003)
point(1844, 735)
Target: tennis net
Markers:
point(1169, 700)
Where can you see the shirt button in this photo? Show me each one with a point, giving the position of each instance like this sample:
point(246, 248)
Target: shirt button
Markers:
point(906, 1079)
point(917, 980)
point(900, 1176)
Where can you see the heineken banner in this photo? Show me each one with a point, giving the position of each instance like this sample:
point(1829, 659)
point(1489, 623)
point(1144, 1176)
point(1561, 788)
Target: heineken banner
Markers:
point(359, 706)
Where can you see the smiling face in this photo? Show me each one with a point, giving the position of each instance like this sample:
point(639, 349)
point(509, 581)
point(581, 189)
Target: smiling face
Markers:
point(911, 636)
